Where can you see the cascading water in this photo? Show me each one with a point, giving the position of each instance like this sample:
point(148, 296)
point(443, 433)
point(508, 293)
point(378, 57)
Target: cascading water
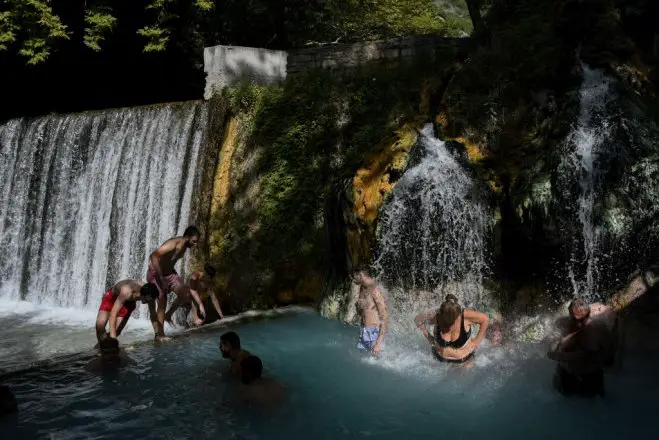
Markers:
point(588, 145)
point(432, 232)
point(85, 198)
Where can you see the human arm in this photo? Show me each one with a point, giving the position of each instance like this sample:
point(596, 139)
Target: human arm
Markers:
point(482, 320)
point(123, 322)
point(124, 294)
point(154, 318)
point(195, 287)
point(421, 320)
point(384, 318)
point(216, 304)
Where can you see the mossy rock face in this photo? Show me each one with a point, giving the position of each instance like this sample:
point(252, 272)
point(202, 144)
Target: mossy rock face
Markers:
point(284, 151)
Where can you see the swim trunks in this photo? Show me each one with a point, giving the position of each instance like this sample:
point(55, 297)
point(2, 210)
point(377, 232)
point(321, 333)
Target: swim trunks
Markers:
point(173, 281)
point(367, 337)
point(107, 302)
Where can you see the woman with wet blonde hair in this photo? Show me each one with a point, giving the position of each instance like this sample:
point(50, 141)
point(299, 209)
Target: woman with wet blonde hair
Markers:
point(452, 340)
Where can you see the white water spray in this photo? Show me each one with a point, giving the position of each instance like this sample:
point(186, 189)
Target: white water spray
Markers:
point(432, 233)
point(588, 144)
point(85, 198)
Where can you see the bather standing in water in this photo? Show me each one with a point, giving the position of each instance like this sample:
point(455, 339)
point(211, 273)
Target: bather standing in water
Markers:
point(161, 272)
point(258, 390)
point(583, 353)
point(118, 304)
point(111, 359)
point(452, 341)
point(230, 349)
point(199, 286)
point(372, 310)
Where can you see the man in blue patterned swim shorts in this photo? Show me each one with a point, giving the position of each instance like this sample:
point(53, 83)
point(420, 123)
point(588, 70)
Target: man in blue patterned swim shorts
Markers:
point(372, 310)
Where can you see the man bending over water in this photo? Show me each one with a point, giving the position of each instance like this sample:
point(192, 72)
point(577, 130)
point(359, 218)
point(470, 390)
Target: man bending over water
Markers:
point(452, 341)
point(230, 348)
point(200, 287)
point(372, 310)
point(118, 304)
point(161, 272)
point(582, 354)
point(258, 390)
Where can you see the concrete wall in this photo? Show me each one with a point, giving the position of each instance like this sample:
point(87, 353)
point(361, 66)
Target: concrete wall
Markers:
point(229, 65)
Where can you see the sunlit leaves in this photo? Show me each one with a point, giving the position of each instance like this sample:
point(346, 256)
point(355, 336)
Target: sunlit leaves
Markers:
point(99, 22)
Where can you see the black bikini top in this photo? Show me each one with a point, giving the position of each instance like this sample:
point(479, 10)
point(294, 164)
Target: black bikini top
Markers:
point(458, 343)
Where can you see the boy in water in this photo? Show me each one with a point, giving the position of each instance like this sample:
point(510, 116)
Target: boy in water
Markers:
point(118, 304)
point(161, 272)
point(200, 287)
point(372, 310)
point(258, 390)
point(230, 349)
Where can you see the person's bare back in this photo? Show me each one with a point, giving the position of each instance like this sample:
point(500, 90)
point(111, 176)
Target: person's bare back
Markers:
point(258, 391)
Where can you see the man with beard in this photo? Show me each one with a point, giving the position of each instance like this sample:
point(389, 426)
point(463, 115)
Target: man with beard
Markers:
point(161, 272)
point(583, 353)
point(230, 349)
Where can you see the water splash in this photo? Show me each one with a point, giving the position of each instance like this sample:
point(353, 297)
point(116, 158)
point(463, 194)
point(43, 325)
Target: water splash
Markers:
point(84, 198)
point(432, 232)
point(588, 143)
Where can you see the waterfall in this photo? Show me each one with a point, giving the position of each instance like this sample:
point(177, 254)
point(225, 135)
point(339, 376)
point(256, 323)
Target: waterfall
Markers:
point(432, 231)
point(585, 161)
point(84, 198)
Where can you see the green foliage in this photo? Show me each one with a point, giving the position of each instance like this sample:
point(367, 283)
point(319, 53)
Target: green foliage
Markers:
point(377, 19)
point(305, 152)
point(32, 25)
point(99, 21)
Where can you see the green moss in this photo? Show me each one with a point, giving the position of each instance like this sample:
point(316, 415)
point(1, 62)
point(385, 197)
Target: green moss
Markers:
point(312, 133)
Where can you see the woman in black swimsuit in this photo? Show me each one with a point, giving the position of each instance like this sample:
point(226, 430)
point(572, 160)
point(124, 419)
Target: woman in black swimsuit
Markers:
point(452, 341)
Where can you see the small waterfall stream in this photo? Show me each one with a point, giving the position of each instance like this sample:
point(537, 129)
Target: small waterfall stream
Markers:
point(588, 145)
point(84, 198)
point(432, 231)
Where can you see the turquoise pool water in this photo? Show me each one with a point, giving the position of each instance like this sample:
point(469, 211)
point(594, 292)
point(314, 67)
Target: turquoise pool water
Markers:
point(177, 391)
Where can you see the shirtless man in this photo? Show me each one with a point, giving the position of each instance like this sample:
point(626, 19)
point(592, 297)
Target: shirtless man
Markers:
point(161, 272)
point(372, 310)
point(118, 304)
point(230, 348)
point(258, 390)
point(200, 287)
point(583, 353)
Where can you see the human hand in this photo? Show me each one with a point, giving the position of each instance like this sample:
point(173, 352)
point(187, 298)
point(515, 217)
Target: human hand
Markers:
point(197, 322)
point(377, 349)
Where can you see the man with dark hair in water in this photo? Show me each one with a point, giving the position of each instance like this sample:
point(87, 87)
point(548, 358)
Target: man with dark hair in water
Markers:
point(111, 359)
point(582, 354)
point(230, 349)
point(258, 390)
point(372, 311)
point(199, 286)
point(118, 304)
point(161, 272)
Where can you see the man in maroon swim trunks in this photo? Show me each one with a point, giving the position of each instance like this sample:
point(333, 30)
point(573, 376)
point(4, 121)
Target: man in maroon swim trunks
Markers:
point(118, 304)
point(161, 272)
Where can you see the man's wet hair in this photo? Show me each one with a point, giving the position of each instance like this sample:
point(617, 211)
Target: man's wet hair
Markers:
point(361, 268)
point(232, 339)
point(252, 369)
point(210, 270)
point(109, 345)
point(191, 231)
point(149, 290)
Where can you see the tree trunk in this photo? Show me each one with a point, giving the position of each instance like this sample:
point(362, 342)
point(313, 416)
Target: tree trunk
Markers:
point(475, 14)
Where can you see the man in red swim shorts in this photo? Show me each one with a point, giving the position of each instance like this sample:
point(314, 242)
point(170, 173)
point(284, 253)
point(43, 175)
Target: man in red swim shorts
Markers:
point(161, 272)
point(118, 304)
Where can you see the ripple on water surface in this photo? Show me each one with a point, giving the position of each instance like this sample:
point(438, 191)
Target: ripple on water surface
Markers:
point(178, 390)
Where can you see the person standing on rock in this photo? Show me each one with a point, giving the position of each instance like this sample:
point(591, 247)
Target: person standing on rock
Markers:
point(372, 310)
point(197, 288)
point(161, 272)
